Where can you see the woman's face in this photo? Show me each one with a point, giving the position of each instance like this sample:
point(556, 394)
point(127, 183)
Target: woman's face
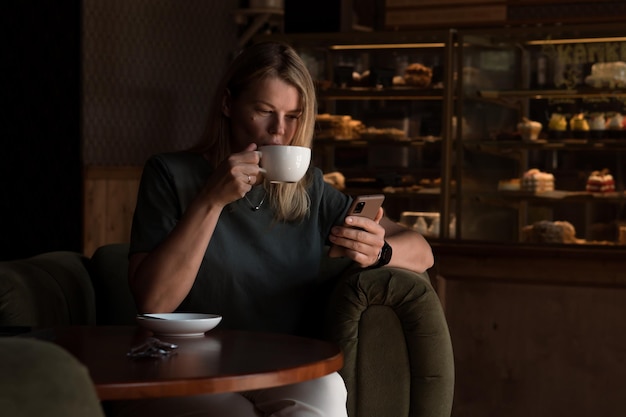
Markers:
point(268, 113)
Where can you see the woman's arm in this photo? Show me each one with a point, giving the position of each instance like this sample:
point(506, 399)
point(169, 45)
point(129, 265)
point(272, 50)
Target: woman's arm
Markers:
point(410, 249)
point(161, 279)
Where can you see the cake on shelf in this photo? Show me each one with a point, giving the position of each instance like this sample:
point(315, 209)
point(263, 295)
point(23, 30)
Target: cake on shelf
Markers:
point(600, 182)
point(597, 125)
point(546, 231)
point(529, 129)
point(537, 181)
point(607, 74)
point(557, 126)
point(616, 125)
point(579, 126)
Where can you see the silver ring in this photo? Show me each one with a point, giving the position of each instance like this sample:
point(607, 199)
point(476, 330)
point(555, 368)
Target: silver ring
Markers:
point(249, 179)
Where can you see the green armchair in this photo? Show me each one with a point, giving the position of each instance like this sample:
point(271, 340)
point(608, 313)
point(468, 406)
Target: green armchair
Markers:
point(389, 322)
point(44, 380)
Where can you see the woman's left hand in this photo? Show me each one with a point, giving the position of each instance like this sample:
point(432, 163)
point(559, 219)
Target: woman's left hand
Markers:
point(360, 239)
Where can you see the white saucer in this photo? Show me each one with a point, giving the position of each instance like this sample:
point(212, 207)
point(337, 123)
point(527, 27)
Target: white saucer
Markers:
point(179, 324)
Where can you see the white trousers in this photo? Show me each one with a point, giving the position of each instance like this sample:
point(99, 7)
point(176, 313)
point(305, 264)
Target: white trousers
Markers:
point(322, 397)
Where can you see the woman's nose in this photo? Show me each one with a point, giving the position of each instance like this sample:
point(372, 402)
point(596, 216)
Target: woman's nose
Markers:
point(277, 127)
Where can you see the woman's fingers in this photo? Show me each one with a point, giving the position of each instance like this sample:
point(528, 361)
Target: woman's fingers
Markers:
point(359, 244)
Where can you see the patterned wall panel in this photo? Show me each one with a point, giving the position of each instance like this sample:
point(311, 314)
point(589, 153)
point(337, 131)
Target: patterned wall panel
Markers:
point(150, 68)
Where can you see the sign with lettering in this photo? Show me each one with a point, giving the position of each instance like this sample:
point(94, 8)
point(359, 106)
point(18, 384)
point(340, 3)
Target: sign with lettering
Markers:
point(572, 62)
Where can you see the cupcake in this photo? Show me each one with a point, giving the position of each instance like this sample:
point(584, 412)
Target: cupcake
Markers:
point(615, 125)
point(579, 126)
point(557, 126)
point(529, 129)
point(597, 125)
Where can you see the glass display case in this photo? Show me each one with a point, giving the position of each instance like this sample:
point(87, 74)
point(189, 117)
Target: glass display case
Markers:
point(542, 135)
point(503, 135)
point(384, 113)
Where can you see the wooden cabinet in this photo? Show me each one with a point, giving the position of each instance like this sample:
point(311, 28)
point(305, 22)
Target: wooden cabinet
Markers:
point(536, 331)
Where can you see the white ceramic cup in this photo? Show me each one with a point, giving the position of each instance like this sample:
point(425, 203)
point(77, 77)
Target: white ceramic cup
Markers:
point(284, 163)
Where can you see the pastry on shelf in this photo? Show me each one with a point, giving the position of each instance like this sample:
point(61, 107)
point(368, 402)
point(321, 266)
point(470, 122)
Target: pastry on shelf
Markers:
point(600, 182)
point(607, 75)
point(529, 129)
point(418, 75)
point(537, 181)
point(336, 179)
point(430, 182)
point(401, 189)
point(579, 126)
point(597, 125)
point(433, 182)
point(616, 126)
point(557, 126)
point(398, 80)
point(375, 77)
point(546, 231)
point(330, 126)
point(513, 184)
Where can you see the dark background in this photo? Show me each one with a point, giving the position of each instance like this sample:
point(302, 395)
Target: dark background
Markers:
point(40, 160)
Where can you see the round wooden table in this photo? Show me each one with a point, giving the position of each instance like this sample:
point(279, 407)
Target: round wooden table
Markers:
point(221, 361)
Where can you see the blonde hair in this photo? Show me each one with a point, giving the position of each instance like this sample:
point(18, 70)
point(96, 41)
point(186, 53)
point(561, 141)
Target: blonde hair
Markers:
point(257, 62)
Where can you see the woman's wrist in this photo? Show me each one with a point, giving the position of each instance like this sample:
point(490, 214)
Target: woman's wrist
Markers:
point(384, 256)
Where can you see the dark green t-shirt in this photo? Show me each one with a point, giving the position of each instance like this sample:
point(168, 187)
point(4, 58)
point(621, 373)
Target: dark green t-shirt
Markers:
point(256, 273)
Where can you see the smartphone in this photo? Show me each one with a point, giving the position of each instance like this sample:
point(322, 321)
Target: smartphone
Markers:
point(366, 205)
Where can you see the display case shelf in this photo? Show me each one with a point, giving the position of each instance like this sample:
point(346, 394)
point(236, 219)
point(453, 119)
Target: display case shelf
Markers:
point(385, 93)
point(556, 196)
point(583, 92)
point(568, 144)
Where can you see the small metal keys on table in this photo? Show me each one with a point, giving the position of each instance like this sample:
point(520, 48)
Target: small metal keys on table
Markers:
point(152, 348)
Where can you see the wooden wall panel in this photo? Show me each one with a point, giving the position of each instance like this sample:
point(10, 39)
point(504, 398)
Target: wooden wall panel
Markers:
point(535, 350)
point(418, 14)
point(110, 198)
point(94, 214)
point(536, 332)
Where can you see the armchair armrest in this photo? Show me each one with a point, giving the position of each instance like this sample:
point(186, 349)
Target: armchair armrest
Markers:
point(109, 274)
point(48, 289)
point(398, 354)
point(39, 378)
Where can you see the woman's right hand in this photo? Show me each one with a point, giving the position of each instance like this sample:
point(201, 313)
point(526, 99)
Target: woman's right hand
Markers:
point(234, 177)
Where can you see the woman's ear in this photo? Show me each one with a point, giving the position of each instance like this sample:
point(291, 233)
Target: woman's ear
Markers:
point(226, 101)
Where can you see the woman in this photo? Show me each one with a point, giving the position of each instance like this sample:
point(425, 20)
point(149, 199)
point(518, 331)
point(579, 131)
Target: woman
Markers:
point(210, 235)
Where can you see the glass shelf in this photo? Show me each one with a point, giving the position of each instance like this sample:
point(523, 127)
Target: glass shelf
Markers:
point(554, 94)
point(385, 93)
